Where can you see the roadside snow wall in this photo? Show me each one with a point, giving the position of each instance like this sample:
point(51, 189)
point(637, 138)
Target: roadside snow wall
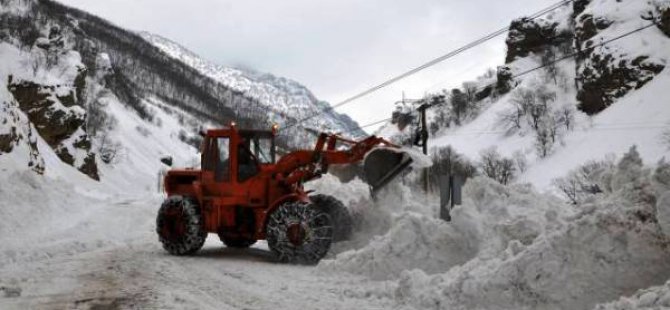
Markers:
point(509, 247)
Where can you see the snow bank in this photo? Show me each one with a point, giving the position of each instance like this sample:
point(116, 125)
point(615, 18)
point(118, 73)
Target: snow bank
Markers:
point(510, 247)
point(657, 297)
point(414, 241)
point(371, 218)
point(613, 246)
point(497, 216)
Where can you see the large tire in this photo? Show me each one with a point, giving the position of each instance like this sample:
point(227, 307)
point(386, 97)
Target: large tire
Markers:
point(239, 243)
point(179, 226)
point(339, 215)
point(299, 233)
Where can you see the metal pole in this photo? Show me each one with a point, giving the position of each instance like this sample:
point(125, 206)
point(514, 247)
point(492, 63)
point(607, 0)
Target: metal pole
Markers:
point(424, 142)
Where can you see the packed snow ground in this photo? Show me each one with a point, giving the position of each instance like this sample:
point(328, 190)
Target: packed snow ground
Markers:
point(507, 247)
point(107, 255)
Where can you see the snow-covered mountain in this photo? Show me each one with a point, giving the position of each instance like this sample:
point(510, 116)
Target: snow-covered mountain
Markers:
point(64, 70)
point(289, 100)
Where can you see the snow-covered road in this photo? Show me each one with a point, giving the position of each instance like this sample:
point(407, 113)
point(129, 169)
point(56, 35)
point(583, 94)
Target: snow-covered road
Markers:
point(104, 260)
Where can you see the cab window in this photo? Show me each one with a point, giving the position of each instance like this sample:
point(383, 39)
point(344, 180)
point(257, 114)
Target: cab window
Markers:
point(221, 150)
point(263, 149)
point(246, 163)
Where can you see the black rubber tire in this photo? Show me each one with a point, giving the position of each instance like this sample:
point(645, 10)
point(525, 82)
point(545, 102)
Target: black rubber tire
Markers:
point(316, 240)
point(339, 214)
point(179, 226)
point(239, 243)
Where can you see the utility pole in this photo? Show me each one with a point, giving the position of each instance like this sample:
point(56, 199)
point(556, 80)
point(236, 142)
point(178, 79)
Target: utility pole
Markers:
point(424, 141)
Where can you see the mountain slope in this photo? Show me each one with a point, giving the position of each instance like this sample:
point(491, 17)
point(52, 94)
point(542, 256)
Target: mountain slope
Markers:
point(65, 68)
point(582, 108)
point(288, 99)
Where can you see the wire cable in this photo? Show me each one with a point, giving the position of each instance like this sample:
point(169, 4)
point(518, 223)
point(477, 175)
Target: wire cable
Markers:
point(601, 44)
point(429, 63)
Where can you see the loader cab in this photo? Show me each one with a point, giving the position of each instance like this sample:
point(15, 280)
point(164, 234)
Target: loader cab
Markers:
point(232, 155)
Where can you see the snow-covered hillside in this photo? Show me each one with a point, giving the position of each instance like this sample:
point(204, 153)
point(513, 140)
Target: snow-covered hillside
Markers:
point(601, 102)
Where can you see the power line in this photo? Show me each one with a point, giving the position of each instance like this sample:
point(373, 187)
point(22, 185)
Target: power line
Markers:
point(430, 63)
point(595, 128)
point(603, 43)
point(553, 62)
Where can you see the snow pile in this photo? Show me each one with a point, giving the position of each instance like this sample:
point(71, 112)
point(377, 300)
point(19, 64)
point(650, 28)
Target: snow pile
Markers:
point(509, 247)
point(496, 217)
point(613, 246)
point(370, 218)
point(350, 193)
point(414, 241)
point(657, 297)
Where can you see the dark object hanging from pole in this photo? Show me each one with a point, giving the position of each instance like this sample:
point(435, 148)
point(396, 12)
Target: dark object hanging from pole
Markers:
point(421, 139)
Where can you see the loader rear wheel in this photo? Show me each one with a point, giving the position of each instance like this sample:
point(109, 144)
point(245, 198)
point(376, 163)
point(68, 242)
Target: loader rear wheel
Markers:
point(339, 215)
point(300, 233)
point(179, 226)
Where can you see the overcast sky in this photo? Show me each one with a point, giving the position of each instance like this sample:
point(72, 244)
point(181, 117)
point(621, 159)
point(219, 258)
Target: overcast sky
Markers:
point(337, 48)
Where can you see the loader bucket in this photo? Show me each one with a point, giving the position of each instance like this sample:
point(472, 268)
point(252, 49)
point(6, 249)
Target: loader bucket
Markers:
point(382, 165)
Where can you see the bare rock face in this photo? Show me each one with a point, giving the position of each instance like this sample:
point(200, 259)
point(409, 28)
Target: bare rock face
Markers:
point(60, 121)
point(51, 116)
point(531, 36)
point(588, 26)
point(17, 133)
point(605, 73)
point(504, 79)
point(664, 20)
point(9, 139)
point(578, 6)
point(606, 77)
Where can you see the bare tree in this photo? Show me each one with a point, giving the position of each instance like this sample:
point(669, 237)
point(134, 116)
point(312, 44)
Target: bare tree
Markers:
point(470, 91)
point(506, 171)
point(446, 161)
point(496, 167)
point(585, 181)
point(511, 119)
point(569, 187)
point(543, 141)
point(539, 107)
point(522, 99)
point(459, 104)
point(552, 127)
point(549, 63)
point(565, 116)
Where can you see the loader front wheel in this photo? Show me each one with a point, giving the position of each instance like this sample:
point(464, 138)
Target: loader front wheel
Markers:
point(339, 215)
point(179, 226)
point(299, 233)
